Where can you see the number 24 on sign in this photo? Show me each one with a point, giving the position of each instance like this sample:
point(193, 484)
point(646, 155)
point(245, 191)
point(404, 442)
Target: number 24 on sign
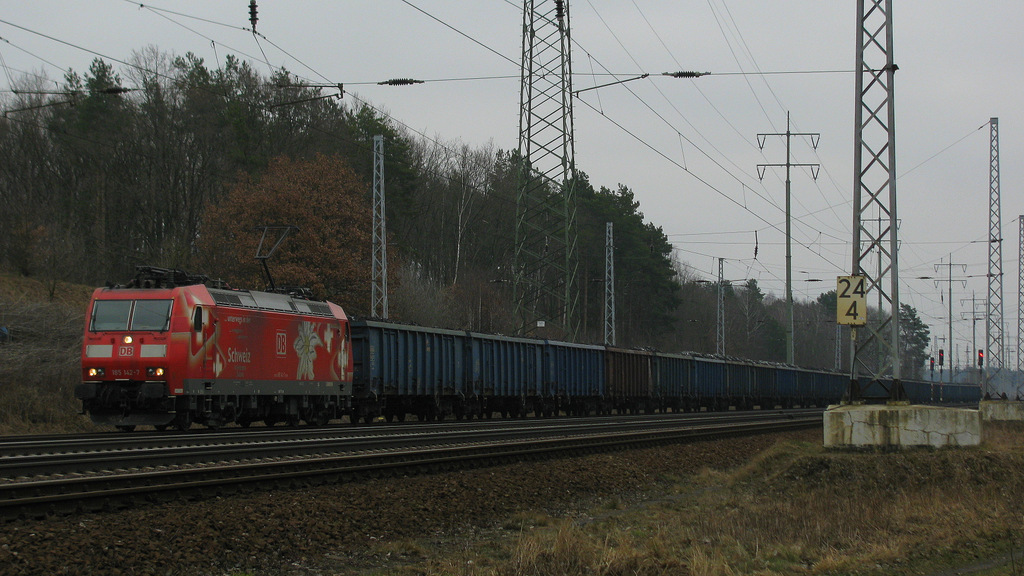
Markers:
point(851, 300)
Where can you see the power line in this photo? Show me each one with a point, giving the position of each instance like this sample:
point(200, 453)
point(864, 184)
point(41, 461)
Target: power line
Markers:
point(933, 156)
point(744, 186)
point(460, 32)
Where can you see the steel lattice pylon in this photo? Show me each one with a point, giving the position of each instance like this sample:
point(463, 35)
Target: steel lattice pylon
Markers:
point(609, 284)
point(720, 327)
point(1020, 307)
point(379, 279)
point(545, 283)
point(874, 194)
point(994, 360)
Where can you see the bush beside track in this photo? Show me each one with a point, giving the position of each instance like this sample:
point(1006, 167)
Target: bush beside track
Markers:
point(39, 365)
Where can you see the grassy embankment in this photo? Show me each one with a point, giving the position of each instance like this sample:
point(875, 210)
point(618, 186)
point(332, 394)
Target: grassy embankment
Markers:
point(796, 509)
point(39, 367)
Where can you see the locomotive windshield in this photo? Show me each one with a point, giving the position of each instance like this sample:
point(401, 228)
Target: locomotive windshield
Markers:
point(151, 315)
point(118, 315)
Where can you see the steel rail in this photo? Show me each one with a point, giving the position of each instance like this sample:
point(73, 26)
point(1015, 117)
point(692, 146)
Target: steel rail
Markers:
point(119, 489)
point(64, 459)
point(90, 442)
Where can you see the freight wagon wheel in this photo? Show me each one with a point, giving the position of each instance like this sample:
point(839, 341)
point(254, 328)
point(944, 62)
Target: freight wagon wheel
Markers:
point(244, 422)
point(269, 421)
point(160, 427)
point(126, 428)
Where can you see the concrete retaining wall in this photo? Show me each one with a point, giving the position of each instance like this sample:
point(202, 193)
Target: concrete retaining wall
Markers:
point(1001, 411)
point(901, 426)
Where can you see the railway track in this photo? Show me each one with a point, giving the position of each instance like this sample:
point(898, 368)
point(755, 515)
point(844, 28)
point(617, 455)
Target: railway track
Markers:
point(40, 476)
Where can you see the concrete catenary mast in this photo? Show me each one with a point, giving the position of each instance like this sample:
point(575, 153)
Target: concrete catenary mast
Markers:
point(789, 164)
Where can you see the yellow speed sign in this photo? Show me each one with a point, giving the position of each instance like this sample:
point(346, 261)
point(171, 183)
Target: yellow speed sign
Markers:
point(851, 300)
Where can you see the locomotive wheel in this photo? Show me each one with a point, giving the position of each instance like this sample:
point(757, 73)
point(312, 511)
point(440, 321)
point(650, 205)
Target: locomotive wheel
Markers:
point(183, 421)
point(126, 428)
point(315, 417)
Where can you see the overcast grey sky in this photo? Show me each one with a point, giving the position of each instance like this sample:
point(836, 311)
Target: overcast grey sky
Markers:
point(692, 155)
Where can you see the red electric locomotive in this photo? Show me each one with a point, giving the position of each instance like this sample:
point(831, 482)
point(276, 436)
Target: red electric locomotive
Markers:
point(170, 349)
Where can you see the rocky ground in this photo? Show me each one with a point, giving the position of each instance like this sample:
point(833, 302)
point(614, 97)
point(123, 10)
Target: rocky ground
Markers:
point(355, 528)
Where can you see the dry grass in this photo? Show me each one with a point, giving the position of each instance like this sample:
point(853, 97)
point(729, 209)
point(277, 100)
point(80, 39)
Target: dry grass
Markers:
point(40, 366)
point(797, 509)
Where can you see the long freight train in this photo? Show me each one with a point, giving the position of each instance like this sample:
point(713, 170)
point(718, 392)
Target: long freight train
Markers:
point(171, 349)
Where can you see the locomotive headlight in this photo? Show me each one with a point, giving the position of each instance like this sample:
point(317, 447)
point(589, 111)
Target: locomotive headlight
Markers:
point(94, 372)
point(127, 339)
point(154, 371)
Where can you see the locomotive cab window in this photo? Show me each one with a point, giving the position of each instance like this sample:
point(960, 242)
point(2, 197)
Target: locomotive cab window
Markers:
point(118, 315)
point(110, 315)
point(151, 315)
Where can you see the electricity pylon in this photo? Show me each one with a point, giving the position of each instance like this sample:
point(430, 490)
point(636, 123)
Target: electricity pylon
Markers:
point(874, 196)
point(994, 348)
point(545, 272)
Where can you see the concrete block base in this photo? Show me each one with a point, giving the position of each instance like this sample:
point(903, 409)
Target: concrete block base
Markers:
point(1001, 411)
point(866, 426)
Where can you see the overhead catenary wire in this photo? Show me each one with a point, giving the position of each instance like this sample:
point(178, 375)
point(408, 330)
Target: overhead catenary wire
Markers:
point(744, 186)
point(156, 73)
point(126, 63)
point(685, 167)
